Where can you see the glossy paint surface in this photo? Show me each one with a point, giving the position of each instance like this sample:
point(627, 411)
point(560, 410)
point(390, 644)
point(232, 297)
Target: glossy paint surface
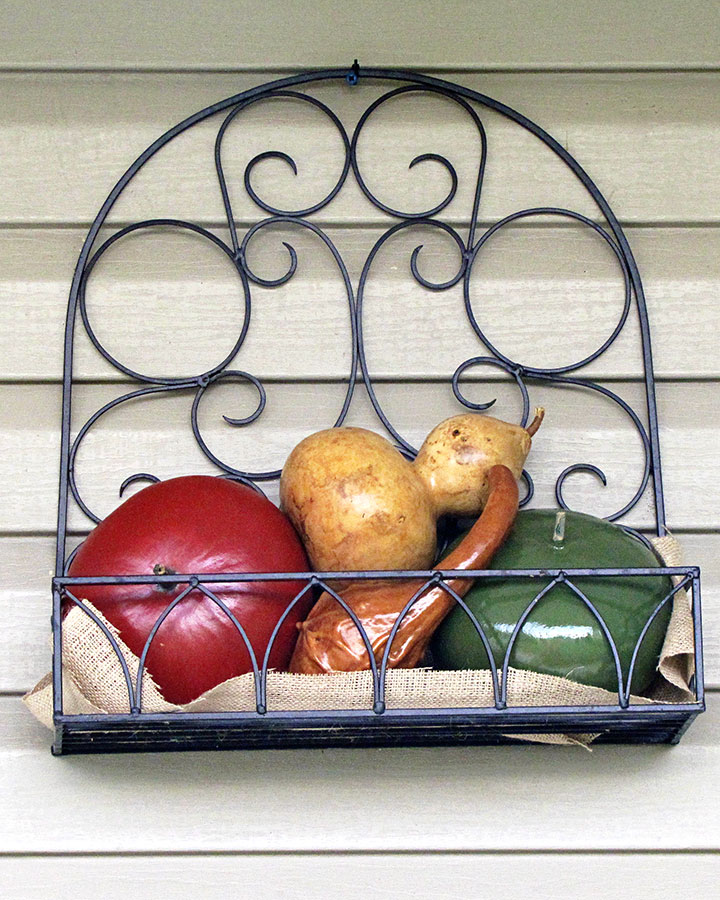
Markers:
point(562, 636)
point(195, 525)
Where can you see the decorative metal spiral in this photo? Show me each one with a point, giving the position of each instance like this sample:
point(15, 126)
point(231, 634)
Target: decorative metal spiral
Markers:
point(470, 249)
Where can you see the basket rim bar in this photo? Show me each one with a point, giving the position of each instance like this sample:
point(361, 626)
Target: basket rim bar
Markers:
point(429, 574)
point(560, 714)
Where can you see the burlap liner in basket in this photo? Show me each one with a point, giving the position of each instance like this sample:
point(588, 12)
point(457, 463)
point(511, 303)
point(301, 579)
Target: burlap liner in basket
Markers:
point(93, 680)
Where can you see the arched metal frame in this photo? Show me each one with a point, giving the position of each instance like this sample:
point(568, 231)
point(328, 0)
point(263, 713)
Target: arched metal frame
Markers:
point(469, 248)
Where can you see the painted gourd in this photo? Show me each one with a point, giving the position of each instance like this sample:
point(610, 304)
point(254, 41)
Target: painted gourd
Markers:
point(561, 636)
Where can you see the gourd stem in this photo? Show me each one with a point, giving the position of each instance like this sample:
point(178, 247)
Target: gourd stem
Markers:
point(537, 421)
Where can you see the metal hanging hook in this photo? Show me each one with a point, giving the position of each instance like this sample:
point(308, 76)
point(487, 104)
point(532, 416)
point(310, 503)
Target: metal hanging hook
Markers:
point(354, 74)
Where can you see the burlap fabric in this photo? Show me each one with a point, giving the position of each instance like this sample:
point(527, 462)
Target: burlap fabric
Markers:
point(94, 682)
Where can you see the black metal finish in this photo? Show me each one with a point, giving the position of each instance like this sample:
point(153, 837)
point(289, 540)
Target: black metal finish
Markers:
point(139, 730)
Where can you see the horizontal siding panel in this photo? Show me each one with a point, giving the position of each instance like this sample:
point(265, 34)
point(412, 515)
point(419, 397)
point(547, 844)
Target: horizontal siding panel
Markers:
point(172, 304)
point(488, 34)
point(28, 564)
point(152, 434)
point(511, 798)
point(648, 140)
point(444, 876)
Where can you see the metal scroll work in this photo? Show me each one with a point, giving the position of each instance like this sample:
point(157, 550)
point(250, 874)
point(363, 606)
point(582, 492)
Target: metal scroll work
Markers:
point(469, 242)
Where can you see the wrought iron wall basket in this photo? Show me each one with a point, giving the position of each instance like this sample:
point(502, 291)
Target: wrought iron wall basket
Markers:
point(621, 720)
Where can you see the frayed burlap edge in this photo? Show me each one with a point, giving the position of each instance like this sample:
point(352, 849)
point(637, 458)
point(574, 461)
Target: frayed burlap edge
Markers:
point(94, 680)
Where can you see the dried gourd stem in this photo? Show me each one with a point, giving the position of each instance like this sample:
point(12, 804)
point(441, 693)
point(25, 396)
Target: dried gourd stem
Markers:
point(537, 421)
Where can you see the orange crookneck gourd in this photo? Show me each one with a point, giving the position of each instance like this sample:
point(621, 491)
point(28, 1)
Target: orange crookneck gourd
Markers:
point(360, 505)
point(329, 639)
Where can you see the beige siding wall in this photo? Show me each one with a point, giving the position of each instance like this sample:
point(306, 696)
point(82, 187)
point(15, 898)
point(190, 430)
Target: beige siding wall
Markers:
point(633, 91)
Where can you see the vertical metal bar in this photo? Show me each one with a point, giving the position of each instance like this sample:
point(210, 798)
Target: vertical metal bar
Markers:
point(57, 653)
point(60, 545)
point(697, 634)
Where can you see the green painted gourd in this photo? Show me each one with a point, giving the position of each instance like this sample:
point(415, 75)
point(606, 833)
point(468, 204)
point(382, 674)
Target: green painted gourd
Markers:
point(561, 636)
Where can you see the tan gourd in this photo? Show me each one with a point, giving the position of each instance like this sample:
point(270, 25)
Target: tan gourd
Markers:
point(329, 639)
point(359, 504)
